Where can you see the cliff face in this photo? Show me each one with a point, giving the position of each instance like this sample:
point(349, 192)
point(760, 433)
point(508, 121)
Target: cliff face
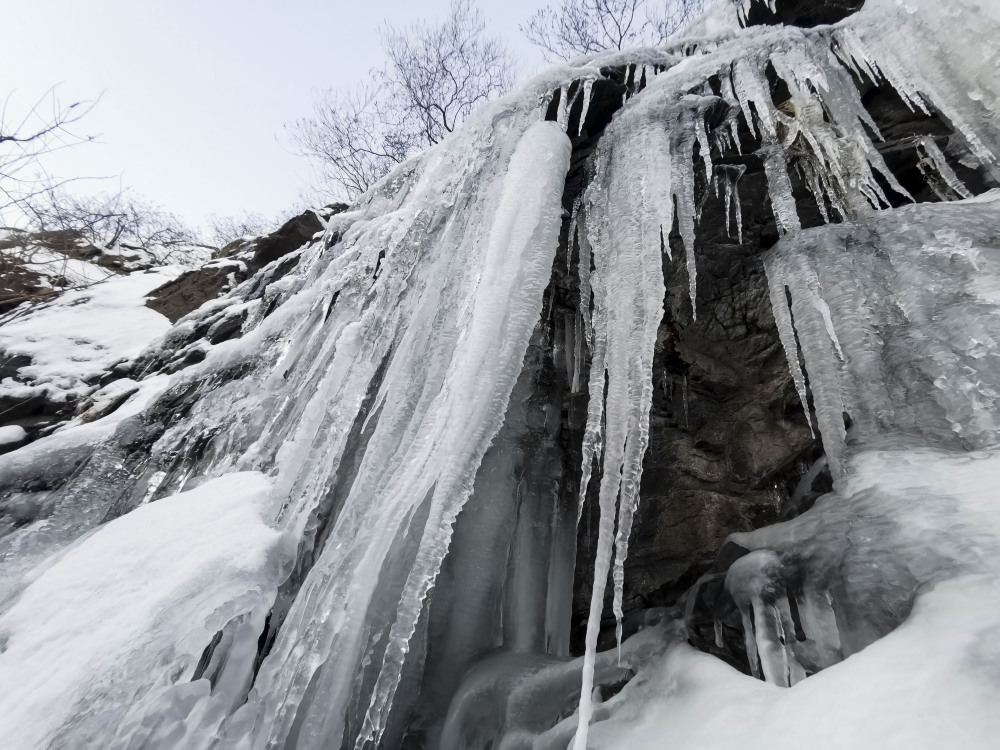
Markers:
point(671, 370)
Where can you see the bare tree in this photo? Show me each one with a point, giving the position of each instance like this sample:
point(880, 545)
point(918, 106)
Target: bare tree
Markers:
point(584, 27)
point(223, 230)
point(441, 73)
point(351, 138)
point(436, 75)
point(25, 141)
point(107, 220)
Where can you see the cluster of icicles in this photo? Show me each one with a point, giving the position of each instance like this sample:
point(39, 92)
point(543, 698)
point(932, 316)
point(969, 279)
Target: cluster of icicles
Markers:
point(644, 180)
point(648, 170)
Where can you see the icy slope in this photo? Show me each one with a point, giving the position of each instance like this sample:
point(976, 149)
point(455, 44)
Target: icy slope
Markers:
point(176, 570)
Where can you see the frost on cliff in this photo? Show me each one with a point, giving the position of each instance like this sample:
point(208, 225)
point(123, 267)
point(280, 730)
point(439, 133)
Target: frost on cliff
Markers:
point(361, 522)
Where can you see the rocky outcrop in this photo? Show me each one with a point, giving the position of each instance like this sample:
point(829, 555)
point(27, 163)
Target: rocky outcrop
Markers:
point(804, 13)
point(238, 261)
point(192, 289)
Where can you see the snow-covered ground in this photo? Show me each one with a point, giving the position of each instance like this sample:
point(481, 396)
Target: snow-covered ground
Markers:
point(74, 337)
point(178, 569)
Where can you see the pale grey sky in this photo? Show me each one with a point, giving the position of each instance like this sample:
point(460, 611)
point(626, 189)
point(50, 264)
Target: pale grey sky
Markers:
point(196, 93)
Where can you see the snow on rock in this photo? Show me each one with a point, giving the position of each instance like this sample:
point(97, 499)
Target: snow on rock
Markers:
point(12, 434)
point(72, 339)
point(25, 542)
point(122, 616)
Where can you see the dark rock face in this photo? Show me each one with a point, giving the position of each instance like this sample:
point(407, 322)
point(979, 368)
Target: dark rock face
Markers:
point(805, 13)
point(292, 235)
point(192, 289)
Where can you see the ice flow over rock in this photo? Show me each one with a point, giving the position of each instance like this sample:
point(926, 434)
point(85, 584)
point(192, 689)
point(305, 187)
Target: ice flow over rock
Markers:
point(385, 457)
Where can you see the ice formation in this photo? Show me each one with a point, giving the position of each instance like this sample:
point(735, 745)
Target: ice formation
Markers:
point(351, 519)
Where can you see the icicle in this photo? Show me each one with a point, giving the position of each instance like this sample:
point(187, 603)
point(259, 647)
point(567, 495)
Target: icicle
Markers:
point(933, 164)
point(625, 334)
point(786, 333)
point(821, 361)
point(683, 191)
point(824, 310)
point(562, 113)
point(737, 208)
point(853, 48)
point(571, 235)
point(754, 582)
point(729, 96)
point(750, 87)
point(779, 187)
point(809, 176)
point(730, 176)
point(588, 85)
point(592, 436)
point(704, 149)
point(583, 275)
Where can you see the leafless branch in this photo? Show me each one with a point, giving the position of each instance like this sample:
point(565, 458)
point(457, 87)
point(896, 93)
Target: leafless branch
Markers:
point(584, 27)
point(436, 75)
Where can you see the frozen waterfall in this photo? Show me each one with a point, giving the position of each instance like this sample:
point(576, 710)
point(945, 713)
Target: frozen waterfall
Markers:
point(407, 503)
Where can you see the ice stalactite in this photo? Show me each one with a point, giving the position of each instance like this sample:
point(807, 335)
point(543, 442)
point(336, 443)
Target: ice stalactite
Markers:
point(786, 333)
point(938, 173)
point(623, 237)
point(755, 581)
point(729, 175)
point(820, 347)
point(588, 86)
point(927, 83)
point(562, 113)
point(780, 189)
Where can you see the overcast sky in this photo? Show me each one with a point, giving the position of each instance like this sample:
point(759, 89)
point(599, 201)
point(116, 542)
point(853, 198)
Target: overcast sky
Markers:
point(196, 93)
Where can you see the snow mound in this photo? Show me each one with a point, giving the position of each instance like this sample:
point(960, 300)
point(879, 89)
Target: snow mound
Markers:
point(129, 610)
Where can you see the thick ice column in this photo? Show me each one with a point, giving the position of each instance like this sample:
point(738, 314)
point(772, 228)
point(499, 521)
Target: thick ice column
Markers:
point(468, 308)
point(516, 268)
